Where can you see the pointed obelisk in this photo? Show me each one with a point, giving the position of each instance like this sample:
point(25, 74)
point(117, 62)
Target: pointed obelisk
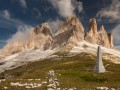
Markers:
point(99, 68)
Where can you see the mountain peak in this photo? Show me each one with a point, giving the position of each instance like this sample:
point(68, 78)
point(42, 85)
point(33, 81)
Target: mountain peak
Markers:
point(93, 20)
point(37, 39)
point(70, 23)
point(102, 29)
point(72, 20)
point(93, 25)
point(101, 37)
point(110, 37)
point(68, 35)
point(43, 28)
point(92, 35)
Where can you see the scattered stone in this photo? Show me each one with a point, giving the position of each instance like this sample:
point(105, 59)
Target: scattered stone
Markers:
point(50, 89)
point(44, 82)
point(5, 88)
point(53, 83)
point(2, 80)
point(26, 85)
point(102, 88)
point(113, 89)
point(72, 89)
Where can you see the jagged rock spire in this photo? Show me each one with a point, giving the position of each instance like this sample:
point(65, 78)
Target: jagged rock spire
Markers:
point(69, 34)
point(92, 35)
point(37, 39)
point(42, 35)
point(110, 37)
point(99, 68)
point(93, 25)
point(103, 37)
point(70, 23)
point(102, 28)
point(43, 28)
point(98, 37)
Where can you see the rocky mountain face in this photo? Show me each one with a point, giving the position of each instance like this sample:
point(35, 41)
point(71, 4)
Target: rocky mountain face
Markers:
point(99, 37)
point(110, 37)
point(68, 35)
point(103, 37)
point(37, 39)
point(42, 34)
point(92, 35)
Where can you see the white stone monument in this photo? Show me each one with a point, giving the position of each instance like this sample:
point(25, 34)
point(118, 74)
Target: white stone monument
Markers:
point(99, 68)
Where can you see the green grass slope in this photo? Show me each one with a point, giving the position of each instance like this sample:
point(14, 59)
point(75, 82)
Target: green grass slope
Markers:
point(75, 71)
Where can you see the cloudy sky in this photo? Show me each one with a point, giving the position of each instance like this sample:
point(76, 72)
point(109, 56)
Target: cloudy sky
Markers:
point(17, 15)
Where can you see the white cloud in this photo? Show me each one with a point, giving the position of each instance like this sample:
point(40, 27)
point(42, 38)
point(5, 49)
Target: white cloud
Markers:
point(54, 24)
point(36, 13)
point(116, 34)
point(112, 11)
point(66, 8)
point(23, 34)
point(22, 29)
point(6, 14)
point(6, 20)
point(79, 6)
point(3, 41)
point(22, 3)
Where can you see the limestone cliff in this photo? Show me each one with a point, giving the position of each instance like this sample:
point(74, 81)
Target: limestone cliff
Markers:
point(37, 39)
point(92, 34)
point(98, 37)
point(103, 38)
point(110, 37)
point(69, 34)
